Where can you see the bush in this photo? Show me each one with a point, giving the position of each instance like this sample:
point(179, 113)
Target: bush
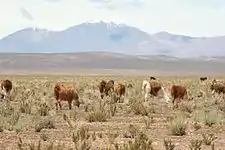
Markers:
point(211, 118)
point(46, 123)
point(178, 126)
point(98, 114)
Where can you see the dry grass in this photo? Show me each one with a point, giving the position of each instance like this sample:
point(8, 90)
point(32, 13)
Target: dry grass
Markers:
point(30, 120)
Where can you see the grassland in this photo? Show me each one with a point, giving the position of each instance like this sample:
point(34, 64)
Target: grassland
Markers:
point(30, 121)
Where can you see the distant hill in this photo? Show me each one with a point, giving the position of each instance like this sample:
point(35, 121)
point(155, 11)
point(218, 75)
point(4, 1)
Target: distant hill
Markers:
point(69, 62)
point(111, 37)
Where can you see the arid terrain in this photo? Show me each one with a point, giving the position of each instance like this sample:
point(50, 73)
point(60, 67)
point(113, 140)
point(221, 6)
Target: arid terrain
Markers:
point(107, 63)
point(79, 75)
point(30, 119)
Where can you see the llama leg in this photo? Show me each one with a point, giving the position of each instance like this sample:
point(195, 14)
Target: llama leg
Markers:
point(146, 96)
point(60, 105)
point(70, 105)
point(56, 105)
point(102, 95)
point(173, 101)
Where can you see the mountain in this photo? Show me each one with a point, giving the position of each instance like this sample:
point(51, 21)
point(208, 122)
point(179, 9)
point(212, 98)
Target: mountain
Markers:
point(111, 37)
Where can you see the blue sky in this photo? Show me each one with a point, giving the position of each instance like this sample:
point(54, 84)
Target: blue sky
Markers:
point(186, 17)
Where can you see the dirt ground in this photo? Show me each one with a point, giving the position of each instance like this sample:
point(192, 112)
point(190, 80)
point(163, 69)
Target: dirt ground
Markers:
point(30, 120)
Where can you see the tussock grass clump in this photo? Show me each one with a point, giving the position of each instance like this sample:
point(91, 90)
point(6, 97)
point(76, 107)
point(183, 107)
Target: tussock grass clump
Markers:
point(141, 142)
point(6, 109)
point(46, 123)
point(21, 145)
point(168, 144)
point(32, 146)
point(111, 138)
point(44, 137)
point(14, 118)
point(81, 138)
point(132, 131)
point(94, 136)
point(187, 107)
point(195, 144)
point(148, 120)
point(66, 118)
point(221, 107)
point(22, 124)
point(207, 117)
point(139, 108)
point(25, 107)
point(208, 138)
point(98, 114)
point(81, 133)
point(9, 116)
point(197, 126)
point(211, 118)
point(178, 126)
point(43, 109)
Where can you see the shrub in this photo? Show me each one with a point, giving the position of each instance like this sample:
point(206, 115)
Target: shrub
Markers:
point(168, 144)
point(46, 123)
point(98, 114)
point(141, 142)
point(178, 126)
point(211, 118)
point(208, 138)
point(195, 144)
point(139, 109)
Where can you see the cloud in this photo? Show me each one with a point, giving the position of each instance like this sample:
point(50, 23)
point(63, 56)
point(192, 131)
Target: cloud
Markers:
point(137, 3)
point(26, 14)
point(188, 17)
point(53, 1)
point(117, 4)
point(100, 1)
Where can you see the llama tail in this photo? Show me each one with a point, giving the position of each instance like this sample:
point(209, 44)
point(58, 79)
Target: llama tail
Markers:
point(166, 97)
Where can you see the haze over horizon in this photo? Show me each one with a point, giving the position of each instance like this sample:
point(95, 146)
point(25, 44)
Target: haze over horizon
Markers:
point(183, 17)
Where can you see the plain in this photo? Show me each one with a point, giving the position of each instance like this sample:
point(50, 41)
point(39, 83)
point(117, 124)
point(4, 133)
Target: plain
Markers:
point(30, 119)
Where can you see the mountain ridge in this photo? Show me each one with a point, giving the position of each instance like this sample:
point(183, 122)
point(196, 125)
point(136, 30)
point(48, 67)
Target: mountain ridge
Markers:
point(111, 37)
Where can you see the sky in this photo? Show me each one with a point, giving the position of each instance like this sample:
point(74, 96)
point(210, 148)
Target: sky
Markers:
point(183, 17)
